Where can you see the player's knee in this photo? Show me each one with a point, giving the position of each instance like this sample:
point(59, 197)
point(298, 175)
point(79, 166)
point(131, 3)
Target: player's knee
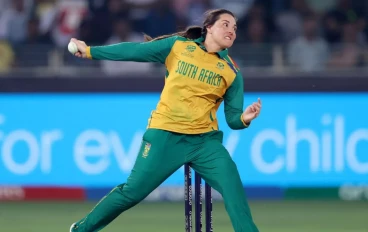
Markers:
point(228, 177)
point(134, 195)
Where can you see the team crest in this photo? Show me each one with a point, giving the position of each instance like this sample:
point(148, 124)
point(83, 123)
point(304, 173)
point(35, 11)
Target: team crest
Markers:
point(191, 48)
point(146, 150)
point(220, 65)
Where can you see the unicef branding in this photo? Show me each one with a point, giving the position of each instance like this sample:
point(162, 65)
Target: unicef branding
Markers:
point(91, 140)
point(329, 149)
point(92, 151)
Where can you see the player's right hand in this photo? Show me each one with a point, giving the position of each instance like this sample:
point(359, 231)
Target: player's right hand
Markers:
point(82, 48)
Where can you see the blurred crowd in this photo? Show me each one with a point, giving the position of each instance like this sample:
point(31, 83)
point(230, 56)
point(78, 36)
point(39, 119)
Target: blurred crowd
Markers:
point(307, 35)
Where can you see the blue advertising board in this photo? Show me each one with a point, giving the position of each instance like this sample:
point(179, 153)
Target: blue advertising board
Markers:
point(92, 140)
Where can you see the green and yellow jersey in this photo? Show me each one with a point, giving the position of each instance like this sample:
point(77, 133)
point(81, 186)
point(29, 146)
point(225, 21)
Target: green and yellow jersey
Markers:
point(196, 83)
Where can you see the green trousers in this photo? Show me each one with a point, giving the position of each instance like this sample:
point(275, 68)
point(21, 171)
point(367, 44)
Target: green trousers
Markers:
point(161, 154)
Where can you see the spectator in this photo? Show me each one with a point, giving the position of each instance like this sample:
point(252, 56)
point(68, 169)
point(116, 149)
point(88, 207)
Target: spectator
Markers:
point(36, 48)
point(348, 53)
point(139, 14)
point(45, 11)
point(86, 30)
point(162, 19)
point(122, 32)
point(256, 51)
point(258, 12)
point(34, 35)
point(309, 52)
point(95, 6)
point(190, 12)
point(6, 56)
point(341, 26)
point(343, 13)
point(346, 11)
point(14, 22)
point(332, 28)
point(320, 7)
point(4, 5)
point(98, 26)
point(239, 7)
point(68, 16)
point(290, 23)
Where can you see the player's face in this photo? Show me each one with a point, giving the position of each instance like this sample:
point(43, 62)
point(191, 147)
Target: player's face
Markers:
point(223, 31)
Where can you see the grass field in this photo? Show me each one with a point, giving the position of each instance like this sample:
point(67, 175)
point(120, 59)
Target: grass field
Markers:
point(272, 216)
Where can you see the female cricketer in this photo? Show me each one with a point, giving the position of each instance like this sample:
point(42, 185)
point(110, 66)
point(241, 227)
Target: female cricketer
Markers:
point(183, 128)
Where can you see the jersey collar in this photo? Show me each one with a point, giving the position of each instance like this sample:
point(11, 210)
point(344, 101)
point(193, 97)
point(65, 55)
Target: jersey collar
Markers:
point(222, 54)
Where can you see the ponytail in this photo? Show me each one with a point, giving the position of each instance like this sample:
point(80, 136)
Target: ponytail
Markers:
point(193, 32)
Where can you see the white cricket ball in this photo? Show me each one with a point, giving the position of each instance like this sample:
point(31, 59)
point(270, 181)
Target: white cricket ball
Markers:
point(72, 47)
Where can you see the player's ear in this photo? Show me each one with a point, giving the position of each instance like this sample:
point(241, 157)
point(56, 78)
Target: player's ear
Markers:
point(209, 29)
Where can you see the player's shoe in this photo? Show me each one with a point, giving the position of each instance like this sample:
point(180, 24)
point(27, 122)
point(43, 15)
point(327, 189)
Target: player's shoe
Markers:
point(71, 227)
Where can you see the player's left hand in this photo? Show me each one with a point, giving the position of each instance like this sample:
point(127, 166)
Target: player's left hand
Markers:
point(252, 111)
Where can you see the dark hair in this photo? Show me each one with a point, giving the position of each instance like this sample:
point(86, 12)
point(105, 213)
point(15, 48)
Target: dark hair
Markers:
point(195, 32)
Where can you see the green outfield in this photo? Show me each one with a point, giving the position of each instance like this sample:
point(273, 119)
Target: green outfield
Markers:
point(273, 216)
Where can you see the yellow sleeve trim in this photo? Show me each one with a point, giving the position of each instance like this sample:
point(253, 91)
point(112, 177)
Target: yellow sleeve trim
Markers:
point(241, 119)
point(88, 52)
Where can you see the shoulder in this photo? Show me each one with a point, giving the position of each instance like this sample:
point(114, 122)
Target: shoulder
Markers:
point(233, 74)
point(180, 38)
point(180, 43)
point(176, 38)
point(171, 41)
point(232, 64)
